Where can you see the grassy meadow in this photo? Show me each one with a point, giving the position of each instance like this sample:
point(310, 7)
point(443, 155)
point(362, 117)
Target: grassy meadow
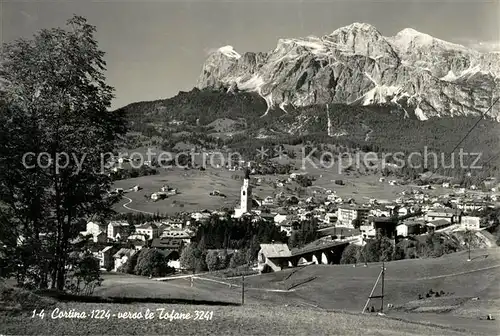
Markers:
point(243, 320)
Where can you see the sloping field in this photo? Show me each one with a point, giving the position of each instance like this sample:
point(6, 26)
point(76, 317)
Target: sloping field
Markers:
point(313, 306)
point(194, 187)
point(343, 287)
point(124, 285)
point(471, 288)
point(347, 287)
point(203, 288)
point(244, 320)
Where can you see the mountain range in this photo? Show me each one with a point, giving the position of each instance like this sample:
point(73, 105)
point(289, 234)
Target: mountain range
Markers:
point(418, 74)
point(353, 88)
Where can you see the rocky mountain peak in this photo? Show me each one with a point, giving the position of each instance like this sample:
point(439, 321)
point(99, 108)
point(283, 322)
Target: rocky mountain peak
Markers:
point(357, 26)
point(229, 52)
point(356, 64)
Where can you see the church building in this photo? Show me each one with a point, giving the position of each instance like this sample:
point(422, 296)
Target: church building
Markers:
point(245, 197)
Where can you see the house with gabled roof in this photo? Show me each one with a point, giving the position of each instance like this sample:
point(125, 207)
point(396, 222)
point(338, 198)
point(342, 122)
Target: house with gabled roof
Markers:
point(274, 256)
point(105, 257)
point(97, 231)
point(448, 214)
point(438, 224)
point(147, 229)
point(118, 230)
point(122, 256)
point(164, 243)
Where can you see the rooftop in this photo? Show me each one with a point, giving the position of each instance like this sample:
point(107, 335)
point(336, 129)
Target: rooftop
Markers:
point(444, 211)
point(439, 222)
point(317, 245)
point(147, 226)
point(275, 250)
point(166, 243)
point(124, 252)
point(353, 207)
point(118, 223)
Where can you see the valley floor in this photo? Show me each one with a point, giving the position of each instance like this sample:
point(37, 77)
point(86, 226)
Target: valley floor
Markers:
point(194, 187)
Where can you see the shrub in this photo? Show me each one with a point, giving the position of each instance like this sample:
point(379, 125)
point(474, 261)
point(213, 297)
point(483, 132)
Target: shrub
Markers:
point(152, 262)
point(213, 261)
point(187, 259)
point(350, 254)
point(238, 259)
point(22, 298)
point(129, 266)
point(377, 250)
point(84, 276)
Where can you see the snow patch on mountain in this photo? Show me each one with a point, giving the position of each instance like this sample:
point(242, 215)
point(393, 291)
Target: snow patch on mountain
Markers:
point(282, 106)
point(411, 38)
point(254, 83)
point(329, 126)
point(312, 44)
point(420, 114)
point(449, 77)
point(370, 78)
point(229, 52)
point(472, 70)
point(269, 101)
point(406, 37)
point(380, 94)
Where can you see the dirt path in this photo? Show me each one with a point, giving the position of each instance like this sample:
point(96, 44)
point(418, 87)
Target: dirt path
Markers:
point(455, 274)
point(135, 210)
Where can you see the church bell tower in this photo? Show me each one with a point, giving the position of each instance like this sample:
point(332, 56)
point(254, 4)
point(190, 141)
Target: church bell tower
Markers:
point(246, 194)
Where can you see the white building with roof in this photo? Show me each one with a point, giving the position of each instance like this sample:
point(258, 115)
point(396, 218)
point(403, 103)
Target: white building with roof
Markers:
point(148, 229)
point(118, 229)
point(122, 256)
point(98, 232)
point(273, 256)
point(470, 223)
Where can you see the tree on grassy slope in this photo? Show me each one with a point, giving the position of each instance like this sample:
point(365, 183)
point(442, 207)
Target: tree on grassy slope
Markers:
point(213, 261)
point(129, 266)
point(200, 255)
point(187, 258)
point(350, 254)
point(238, 258)
point(152, 262)
point(84, 274)
point(55, 102)
point(379, 249)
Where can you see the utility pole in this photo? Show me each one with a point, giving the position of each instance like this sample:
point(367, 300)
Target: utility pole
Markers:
point(382, 296)
point(371, 296)
point(468, 243)
point(363, 243)
point(242, 290)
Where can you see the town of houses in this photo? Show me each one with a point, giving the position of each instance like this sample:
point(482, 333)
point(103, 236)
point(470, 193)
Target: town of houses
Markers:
point(413, 213)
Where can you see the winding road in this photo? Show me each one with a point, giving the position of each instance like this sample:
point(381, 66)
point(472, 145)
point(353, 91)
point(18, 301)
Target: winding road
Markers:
point(135, 210)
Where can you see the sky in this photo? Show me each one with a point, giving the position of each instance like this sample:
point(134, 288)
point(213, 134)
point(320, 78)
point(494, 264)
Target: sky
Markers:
point(154, 49)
